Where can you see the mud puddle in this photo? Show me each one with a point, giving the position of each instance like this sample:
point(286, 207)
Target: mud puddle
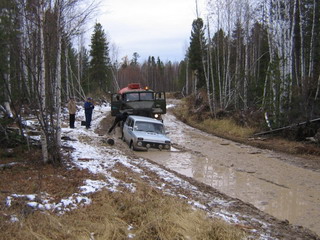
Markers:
point(252, 175)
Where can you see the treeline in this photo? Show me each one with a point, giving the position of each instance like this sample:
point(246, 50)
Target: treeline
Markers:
point(43, 62)
point(153, 73)
point(246, 54)
point(38, 64)
point(261, 55)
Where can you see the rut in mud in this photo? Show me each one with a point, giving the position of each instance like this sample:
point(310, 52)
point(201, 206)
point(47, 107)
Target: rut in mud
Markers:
point(263, 178)
point(256, 177)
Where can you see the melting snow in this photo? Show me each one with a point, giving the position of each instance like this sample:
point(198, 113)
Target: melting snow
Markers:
point(100, 160)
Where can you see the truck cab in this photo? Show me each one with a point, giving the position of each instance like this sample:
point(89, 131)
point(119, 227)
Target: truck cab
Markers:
point(138, 101)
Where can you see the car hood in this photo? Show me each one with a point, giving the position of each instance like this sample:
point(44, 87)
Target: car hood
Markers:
point(152, 136)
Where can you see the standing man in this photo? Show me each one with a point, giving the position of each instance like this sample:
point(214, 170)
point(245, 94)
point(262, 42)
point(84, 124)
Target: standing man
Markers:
point(72, 107)
point(88, 108)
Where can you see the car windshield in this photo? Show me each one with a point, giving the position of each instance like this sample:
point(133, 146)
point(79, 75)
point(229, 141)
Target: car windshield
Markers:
point(149, 127)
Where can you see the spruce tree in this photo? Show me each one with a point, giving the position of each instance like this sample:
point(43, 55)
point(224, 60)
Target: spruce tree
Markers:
point(197, 43)
point(100, 76)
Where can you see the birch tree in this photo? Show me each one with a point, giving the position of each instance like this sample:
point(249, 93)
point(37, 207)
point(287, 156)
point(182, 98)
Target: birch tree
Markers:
point(43, 117)
point(54, 23)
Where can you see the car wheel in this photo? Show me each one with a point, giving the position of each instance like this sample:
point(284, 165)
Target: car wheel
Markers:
point(131, 146)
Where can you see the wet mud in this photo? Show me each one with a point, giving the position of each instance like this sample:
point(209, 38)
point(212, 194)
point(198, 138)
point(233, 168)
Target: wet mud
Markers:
point(263, 178)
point(274, 183)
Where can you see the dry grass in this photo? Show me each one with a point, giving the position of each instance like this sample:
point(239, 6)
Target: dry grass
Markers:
point(227, 126)
point(146, 214)
point(221, 127)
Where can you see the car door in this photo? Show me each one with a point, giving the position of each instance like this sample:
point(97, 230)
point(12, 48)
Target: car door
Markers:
point(127, 129)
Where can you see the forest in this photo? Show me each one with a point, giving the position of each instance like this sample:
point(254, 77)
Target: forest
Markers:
point(243, 55)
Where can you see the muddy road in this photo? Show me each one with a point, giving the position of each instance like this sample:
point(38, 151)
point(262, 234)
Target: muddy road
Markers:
point(266, 179)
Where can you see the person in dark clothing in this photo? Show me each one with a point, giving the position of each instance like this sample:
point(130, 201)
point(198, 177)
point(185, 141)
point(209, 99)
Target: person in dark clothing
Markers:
point(119, 119)
point(88, 109)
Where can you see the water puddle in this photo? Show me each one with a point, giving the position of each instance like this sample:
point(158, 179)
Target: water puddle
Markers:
point(252, 175)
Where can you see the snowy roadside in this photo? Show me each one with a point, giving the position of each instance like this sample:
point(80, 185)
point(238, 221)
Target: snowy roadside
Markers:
point(88, 153)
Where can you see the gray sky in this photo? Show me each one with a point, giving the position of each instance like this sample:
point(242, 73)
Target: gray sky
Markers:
point(149, 27)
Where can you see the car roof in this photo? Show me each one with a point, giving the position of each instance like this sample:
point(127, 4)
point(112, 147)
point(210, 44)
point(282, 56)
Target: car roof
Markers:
point(145, 119)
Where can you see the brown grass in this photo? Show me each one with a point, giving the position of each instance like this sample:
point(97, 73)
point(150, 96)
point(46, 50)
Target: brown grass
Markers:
point(227, 126)
point(221, 127)
point(149, 214)
point(146, 213)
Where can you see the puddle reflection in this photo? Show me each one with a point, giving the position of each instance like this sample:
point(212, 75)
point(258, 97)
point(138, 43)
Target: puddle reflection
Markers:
point(275, 195)
point(276, 200)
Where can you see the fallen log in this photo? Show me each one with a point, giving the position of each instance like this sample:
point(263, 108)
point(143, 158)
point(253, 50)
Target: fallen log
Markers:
point(7, 165)
point(287, 127)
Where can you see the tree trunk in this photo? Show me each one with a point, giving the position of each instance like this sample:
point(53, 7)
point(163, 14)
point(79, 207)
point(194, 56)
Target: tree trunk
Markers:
point(206, 72)
point(312, 49)
point(210, 71)
point(42, 88)
point(24, 45)
point(187, 78)
point(58, 83)
point(68, 93)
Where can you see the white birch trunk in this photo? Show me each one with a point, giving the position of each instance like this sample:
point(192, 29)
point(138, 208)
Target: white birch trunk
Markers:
point(237, 73)
point(292, 53)
point(24, 44)
point(227, 79)
point(42, 88)
point(67, 70)
point(302, 57)
point(58, 78)
point(311, 54)
point(206, 73)
point(272, 49)
point(216, 6)
point(80, 64)
point(219, 69)
point(265, 90)
point(8, 109)
point(210, 71)
point(281, 48)
point(246, 67)
point(227, 94)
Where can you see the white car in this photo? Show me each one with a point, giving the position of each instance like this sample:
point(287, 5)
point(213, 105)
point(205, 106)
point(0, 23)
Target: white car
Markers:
point(142, 133)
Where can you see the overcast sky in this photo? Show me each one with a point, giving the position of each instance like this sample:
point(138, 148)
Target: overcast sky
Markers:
point(149, 27)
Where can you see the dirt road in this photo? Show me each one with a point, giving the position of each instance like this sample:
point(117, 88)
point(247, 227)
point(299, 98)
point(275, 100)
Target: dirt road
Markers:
point(266, 179)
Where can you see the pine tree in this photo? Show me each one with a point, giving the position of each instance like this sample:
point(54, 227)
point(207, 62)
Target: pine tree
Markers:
point(197, 42)
point(100, 66)
point(135, 57)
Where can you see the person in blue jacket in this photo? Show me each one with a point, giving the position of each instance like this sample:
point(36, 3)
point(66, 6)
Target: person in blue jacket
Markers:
point(88, 109)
